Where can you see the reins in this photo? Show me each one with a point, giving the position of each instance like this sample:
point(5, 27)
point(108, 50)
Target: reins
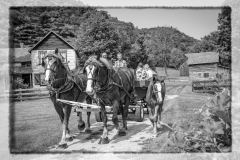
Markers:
point(109, 83)
point(67, 83)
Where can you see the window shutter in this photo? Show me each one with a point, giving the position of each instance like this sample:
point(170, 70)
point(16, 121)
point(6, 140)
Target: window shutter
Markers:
point(39, 57)
point(37, 80)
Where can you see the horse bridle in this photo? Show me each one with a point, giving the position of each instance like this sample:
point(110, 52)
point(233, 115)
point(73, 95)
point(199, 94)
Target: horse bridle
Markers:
point(95, 80)
point(53, 69)
point(155, 90)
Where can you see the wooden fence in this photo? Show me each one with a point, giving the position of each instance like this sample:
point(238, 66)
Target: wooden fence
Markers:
point(210, 86)
point(24, 94)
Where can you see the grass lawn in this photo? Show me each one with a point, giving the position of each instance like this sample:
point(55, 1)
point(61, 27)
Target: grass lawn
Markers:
point(171, 72)
point(36, 126)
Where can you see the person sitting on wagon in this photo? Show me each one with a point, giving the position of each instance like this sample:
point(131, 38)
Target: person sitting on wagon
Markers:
point(120, 62)
point(139, 72)
point(105, 55)
point(149, 72)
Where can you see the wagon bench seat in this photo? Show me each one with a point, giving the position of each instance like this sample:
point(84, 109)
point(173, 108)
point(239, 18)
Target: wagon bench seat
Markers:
point(142, 83)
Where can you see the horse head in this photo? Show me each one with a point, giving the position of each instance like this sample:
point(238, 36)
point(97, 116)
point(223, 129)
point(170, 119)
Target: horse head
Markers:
point(97, 74)
point(52, 64)
point(158, 88)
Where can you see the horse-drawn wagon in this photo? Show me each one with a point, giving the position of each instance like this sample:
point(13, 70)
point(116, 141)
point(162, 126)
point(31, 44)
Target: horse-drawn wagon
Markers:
point(136, 107)
point(100, 83)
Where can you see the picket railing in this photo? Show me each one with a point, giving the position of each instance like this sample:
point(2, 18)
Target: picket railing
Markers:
point(24, 94)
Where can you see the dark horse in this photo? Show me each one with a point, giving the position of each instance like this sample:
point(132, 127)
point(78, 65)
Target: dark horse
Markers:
point(112, 88)
point(155, 98)
point(63, 84)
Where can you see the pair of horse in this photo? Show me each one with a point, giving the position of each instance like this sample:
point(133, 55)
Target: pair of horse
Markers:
point(99, 80)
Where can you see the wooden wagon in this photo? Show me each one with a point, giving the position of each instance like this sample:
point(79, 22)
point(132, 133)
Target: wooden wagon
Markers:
point(136, 106)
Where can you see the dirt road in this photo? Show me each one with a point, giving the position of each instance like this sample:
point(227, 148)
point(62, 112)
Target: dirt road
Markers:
point(180, 104)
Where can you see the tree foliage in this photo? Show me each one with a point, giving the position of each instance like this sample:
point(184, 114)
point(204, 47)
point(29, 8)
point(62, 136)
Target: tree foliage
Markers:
point(217, 41)
point(166, 46)
point(93, 32)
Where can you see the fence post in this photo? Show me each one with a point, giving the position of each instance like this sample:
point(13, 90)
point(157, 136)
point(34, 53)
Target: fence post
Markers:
point(20, 92)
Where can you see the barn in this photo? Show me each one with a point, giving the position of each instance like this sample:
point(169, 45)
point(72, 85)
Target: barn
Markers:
point(206, 66)
point(46, 45)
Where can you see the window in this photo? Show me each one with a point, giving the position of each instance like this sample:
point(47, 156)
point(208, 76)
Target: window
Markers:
point(63, 53)
point(206, 75)
point(199, 74)
point(26, 64)
point(39, 79)
point(41, 54)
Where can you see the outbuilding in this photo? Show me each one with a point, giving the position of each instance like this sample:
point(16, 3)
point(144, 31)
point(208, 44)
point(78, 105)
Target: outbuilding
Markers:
point(206, 66)
point(46, 45)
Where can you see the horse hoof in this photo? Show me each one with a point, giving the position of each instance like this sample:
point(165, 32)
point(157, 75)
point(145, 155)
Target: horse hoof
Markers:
point(81, 127)
point(103, 140)
point(62, 146)
point(69, 139)
point(122, 133)
point(88, 131)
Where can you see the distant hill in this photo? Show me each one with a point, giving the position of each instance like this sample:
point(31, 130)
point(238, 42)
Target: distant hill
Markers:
point(181, 40)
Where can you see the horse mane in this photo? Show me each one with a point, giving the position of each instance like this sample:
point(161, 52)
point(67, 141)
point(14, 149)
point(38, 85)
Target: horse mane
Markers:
point(94, 61)
point(149, 92)
point(106, 63)
point(53, 55)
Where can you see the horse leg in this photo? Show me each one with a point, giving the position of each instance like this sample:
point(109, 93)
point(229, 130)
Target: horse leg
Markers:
point(154, 118)
point(116, 106)
point(125, 112)
point(160, 115)
point(88, 130)
point(57, 107)
point(104, 138)
point(66, 133)
point(68, 109)
point(81, 123)
point(150, 112)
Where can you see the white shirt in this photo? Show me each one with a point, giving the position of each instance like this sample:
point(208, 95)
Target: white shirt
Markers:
point(150, 73)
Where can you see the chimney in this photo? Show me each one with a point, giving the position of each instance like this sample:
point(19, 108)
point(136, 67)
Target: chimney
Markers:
point(21, 45)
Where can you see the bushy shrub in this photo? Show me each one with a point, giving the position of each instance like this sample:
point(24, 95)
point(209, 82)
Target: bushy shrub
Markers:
point(18, 83)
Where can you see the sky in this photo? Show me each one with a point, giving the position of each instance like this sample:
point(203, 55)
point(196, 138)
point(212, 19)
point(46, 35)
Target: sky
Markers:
point(195, 23)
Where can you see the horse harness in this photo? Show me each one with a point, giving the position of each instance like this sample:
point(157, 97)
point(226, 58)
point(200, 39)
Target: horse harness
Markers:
point(110, 83)
point(68, 84)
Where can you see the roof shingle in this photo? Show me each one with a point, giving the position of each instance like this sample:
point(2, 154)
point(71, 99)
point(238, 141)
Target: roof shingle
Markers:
point(20, 70)
point(202, 58)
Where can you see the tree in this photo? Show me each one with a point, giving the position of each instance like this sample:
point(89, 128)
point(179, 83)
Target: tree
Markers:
point(96, 35)
point(161, 42)
point(177, 57)
point(224, 41)
point(138, 53)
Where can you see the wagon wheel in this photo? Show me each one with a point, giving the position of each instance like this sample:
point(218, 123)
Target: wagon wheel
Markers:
point(139, 113)
point(98, 116)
